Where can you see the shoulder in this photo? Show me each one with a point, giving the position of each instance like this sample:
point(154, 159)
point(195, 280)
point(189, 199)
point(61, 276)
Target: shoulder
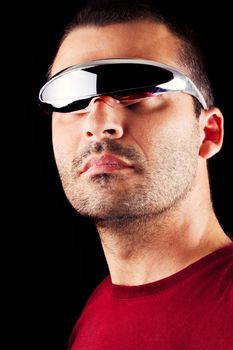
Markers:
point(223, 274)
point(212, 276)
point(100, 290)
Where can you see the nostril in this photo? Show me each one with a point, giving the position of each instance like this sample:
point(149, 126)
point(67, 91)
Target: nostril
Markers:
point(110, 131)
point(88, 133)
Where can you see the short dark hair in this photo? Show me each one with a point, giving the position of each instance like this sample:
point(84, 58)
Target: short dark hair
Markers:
point(106, 12)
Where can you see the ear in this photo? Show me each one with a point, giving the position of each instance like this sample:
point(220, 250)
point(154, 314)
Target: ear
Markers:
point(211, 123)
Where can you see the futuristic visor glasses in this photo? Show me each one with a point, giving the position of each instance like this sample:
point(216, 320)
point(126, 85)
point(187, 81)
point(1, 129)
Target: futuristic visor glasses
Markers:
point(126, 80)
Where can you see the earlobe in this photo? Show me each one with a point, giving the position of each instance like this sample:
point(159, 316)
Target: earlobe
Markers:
point(212, 131)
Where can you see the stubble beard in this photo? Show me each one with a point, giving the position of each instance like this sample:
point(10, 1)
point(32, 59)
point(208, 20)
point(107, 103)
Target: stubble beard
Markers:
point(150, 189)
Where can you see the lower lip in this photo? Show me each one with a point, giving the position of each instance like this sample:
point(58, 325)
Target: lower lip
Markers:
point(105, 168)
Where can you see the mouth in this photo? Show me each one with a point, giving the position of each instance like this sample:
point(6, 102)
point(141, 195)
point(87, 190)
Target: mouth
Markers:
point(105, 164)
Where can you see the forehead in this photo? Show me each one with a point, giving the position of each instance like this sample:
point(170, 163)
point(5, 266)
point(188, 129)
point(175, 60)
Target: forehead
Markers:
point(141, 39)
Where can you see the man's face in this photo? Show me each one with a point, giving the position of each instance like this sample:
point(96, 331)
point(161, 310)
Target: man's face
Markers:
point(126, 162)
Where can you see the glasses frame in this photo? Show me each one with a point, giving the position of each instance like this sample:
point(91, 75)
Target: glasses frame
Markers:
point(179, 83)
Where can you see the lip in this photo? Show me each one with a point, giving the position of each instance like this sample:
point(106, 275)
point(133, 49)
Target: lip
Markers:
point(105, 164)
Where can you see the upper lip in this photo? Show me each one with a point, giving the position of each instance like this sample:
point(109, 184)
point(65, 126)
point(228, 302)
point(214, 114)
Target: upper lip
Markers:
point(106, 159)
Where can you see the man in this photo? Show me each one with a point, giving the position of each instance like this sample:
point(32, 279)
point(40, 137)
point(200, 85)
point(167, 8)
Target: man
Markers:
point(134, 124)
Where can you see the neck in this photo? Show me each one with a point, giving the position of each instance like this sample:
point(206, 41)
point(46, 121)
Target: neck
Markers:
point(142, 250)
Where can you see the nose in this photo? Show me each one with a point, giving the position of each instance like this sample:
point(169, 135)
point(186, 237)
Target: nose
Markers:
point(104, 120)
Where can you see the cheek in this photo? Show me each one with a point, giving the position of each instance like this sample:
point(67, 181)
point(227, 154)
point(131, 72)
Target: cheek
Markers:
point(145, 130)
point(164, 130)
point(65, 138)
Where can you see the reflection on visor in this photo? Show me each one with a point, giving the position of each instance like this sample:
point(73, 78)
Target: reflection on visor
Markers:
point(130, 79)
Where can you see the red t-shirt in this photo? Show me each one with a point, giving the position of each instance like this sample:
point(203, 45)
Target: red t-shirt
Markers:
point(192, 309)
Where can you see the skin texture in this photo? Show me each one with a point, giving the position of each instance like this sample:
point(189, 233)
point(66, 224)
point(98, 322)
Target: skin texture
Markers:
point(154, 212)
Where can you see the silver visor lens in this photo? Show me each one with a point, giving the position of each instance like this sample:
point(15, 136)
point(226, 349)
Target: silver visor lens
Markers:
point(67, 88)
point(73, 88)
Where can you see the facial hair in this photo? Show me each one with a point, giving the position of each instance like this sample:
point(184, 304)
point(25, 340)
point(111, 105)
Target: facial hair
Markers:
point(153, 186)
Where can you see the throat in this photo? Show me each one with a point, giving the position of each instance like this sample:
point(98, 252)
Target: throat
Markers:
point(146, 249)
point(127, 237)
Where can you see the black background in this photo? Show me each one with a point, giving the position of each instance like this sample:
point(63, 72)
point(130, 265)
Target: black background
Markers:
point(54, 258)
